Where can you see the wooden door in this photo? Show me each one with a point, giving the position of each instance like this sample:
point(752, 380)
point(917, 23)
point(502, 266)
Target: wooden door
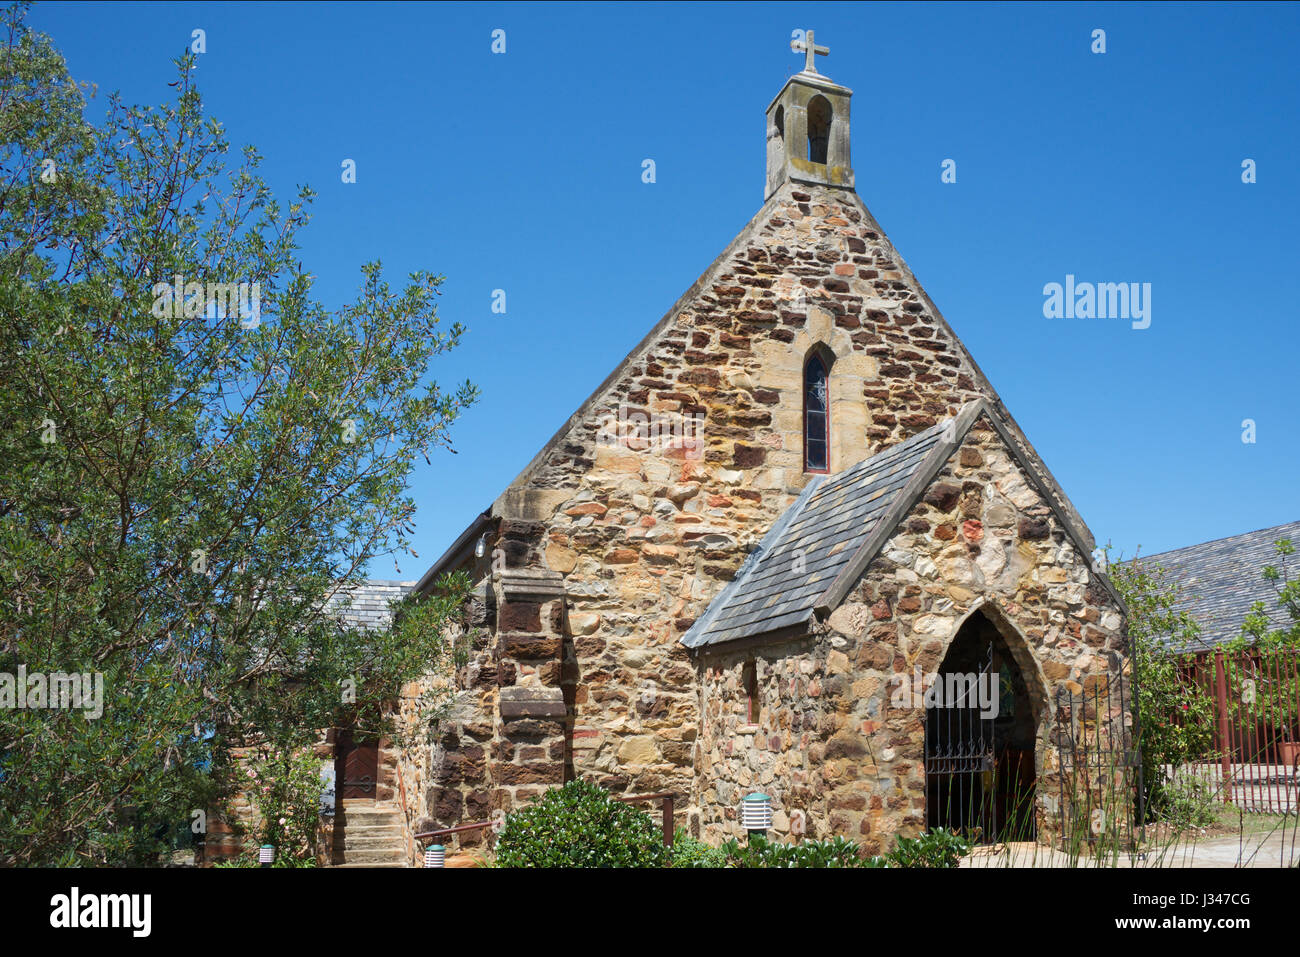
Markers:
point(358, 766)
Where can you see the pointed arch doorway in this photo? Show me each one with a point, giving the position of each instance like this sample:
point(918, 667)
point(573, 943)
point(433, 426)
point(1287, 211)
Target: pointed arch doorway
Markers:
point(981, 726)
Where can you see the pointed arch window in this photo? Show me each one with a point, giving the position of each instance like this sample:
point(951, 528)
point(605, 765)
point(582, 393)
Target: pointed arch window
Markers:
point(816, 416)
point(819, 128)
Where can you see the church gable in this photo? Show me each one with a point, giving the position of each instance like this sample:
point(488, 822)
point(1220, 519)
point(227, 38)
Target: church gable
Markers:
point(710, 426)
point(812, 273)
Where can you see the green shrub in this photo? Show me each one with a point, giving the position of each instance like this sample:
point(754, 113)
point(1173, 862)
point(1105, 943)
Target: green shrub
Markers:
point(760, 852)
point(285, 792)
point(936, 848)
point(1187, 800)
point(578, 825)
point(688, 852)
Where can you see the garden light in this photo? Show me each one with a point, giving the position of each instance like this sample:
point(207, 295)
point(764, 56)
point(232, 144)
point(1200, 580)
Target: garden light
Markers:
point(756, 813)
point(435, 855)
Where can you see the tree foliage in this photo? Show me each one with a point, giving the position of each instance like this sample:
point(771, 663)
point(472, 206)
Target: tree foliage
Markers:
point(1175, 715)
point(1267, 689)
point(187, 486)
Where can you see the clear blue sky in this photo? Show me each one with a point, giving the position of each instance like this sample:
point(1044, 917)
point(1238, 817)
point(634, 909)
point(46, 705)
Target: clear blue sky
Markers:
point(522, 172)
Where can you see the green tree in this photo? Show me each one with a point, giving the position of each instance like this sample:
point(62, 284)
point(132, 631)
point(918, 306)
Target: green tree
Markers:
point(186, 484)
point(1274, 692)
point(1176, 716)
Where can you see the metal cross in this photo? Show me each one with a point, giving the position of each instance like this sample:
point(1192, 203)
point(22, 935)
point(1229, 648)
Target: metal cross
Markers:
point(809, 48)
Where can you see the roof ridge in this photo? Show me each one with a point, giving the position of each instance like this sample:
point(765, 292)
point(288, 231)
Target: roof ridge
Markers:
point(1214, 541)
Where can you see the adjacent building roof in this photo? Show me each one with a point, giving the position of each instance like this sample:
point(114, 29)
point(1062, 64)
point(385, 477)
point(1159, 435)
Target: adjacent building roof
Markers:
point(1222, 579)
point(367, 606)
point(820, 546)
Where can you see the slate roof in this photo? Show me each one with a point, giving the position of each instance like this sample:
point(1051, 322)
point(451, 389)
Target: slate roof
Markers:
point(1223, 578)
point(367, 605)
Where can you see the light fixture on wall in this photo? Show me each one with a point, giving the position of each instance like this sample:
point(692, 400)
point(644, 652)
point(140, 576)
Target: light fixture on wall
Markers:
point(756, 813)
point(266, 855)
point(480, 547)
point(435, 855)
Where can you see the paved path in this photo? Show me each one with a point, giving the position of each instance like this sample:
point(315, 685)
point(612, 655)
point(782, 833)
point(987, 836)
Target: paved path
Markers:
point(1255, 850)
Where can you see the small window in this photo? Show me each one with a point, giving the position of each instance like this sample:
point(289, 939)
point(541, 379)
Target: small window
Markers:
point(749, 678)
point(816, 417)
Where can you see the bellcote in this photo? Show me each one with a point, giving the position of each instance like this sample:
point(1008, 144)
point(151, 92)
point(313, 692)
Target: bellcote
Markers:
point(808, 127)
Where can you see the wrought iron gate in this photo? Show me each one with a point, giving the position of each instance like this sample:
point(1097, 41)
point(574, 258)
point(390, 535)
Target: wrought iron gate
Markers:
point(960, 757)
point(1099, 788)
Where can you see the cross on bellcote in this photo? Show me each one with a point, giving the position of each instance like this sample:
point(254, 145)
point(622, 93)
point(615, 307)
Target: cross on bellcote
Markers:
point(809, 48)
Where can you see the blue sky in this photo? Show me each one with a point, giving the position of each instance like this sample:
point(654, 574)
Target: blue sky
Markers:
point(522, 171)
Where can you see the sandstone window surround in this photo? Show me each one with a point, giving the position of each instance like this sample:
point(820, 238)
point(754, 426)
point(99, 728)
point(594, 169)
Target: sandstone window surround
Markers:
point(816, 415)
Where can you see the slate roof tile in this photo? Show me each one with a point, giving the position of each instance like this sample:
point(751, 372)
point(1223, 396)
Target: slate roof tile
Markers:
point(366, 606)
point(1220, 580)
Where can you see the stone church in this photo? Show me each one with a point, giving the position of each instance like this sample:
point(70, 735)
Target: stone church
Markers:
point(796, 495)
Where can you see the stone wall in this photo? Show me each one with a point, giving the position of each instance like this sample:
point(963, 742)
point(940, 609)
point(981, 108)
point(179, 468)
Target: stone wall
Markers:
point(827, 741)
point(505, 738)
point(646, 532)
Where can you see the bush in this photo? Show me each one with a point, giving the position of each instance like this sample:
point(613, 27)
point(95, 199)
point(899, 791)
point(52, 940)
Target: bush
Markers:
point(936, 848)
point(760, 852)
point(285, 792)
point(1186, 800)
point(688, 852)
point(578, 825)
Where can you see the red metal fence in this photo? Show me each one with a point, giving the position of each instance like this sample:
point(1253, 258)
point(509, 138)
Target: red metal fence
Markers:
point(1255, 700)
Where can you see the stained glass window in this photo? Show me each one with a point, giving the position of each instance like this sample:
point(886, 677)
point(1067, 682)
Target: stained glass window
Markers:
point(816, 417)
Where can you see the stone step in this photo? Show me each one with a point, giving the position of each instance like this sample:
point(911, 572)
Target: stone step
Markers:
point(383, 864)
point(368, 826)
point(373, 855)
point(372, 841)
point(364, 815)
point(392, 827)
point(370, 830)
